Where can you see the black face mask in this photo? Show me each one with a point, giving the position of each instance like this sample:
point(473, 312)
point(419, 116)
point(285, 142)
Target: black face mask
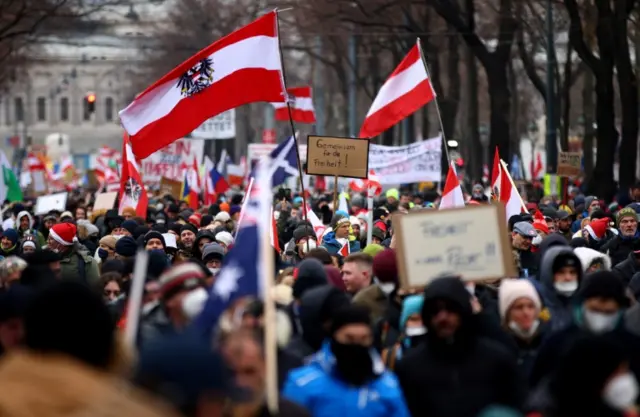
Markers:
point(353, 362)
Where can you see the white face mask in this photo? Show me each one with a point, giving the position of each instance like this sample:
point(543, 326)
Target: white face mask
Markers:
point(307, 246)
point(214, 271)
point(415, 331)
point(566, 288)
point(524, 333)
point(387, 287)
point(276, 214)
point(621, 392)
point(536, 240)
point(599, 322)
point(193, 303)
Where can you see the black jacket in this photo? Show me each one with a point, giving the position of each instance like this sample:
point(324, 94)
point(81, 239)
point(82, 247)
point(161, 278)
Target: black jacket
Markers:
point(457, 378)
point(627, 268)
point(619, 249)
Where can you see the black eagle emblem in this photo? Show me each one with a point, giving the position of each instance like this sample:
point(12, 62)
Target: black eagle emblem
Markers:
point(196, 79)
point(133, 189)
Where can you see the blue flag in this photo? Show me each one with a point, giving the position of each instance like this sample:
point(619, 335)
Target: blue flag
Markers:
point(283, 162)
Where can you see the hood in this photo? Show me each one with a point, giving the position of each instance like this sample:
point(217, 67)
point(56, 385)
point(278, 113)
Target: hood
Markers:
point(313, 304)
point(545, 274)
point(588, 255)
point(554, 239)
point(21, 215)
point(450, 289)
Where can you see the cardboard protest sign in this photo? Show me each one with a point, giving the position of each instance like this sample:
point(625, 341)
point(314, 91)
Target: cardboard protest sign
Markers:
point(105, 201)
point(569, 164)
point(342, 157)
point(471, 242)
point(46, 203)
point(170, 187)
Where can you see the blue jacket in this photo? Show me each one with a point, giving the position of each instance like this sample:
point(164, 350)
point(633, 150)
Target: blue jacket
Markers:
point(317, 388)
point(333, 246)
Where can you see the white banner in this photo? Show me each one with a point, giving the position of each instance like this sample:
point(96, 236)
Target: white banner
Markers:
point(172, 161)
point(222, 126)
point(419, 161)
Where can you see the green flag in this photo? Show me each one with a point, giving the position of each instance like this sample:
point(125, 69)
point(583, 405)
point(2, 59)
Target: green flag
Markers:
point(10, 187)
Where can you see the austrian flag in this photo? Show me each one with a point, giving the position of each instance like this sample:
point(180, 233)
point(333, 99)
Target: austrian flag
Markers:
point(241, 68)
point(132, 191)
point(301, 102)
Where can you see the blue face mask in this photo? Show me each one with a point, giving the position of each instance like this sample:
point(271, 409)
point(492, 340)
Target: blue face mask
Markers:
point(102, 253)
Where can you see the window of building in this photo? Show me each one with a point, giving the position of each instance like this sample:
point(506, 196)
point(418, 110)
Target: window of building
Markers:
point(41, 109)
point(108, 111)
point(64, 109)
point(19, 109)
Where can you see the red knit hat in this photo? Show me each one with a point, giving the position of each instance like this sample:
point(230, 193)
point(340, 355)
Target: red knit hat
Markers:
point(385, 267)
point(541, 226)
point(64, 233)
point(597, 228)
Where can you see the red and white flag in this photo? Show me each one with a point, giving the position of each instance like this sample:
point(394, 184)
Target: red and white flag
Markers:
point(243, 67)
point(345, 250)
point(405, 91)
point(301, 101)
point(132, 191)
point(273, 233)
point(496, 171)
point(536, 170)
point(503, 189)
point(452, 196)
point(317, 225)
point(362, 186)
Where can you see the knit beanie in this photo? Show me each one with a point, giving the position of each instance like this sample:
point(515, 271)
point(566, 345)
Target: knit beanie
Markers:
point(384, 266)
point(512, 289)
point(126, 246)
point(154, 235)
point(12, 235)
point(350, 314)
point(303, 231)
point(109, 241)
point(626, 212)
point(604, 284)
point(189, 227)
point(334, 276)
point(410, 305)
point(373, 249)
point(309, 274)
point(129, 226)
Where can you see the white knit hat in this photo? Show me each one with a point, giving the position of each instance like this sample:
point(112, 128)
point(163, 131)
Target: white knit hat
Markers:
point(225, 238)
point(512, 289)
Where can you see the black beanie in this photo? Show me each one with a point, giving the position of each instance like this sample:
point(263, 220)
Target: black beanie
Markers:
point(564, 260)
point(154, 235)
point(175, 228)
point(206, 220)
point(126, 246)
point(604, 284)
point(310, 273)
point(69, 318)
point(140, 231)
point(303, 231)
point(214, 209)
point(351, 314)
point(189, 227)
point(160, 228)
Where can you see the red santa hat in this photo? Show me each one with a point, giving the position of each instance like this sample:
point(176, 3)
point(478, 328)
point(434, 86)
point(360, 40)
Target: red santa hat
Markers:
point(64, 233)
point(597, 228)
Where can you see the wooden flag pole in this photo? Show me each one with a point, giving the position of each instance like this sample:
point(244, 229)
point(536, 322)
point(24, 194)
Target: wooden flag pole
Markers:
point(335, 194)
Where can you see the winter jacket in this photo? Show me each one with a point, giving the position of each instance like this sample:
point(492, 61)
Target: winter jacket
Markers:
point(39, 237)
point(619, 247)
point(627, 268)
point(559, 306)
point(588, 256)
point(458, 378)
point(526, 351)
point(317, 387)
point(374, 299)
point(154, 324)
point(333, 246)
point(78, 264)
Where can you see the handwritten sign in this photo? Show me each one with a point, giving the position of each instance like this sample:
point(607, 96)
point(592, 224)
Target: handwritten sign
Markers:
point(170, 187)
point(471, 242)
point(172, 161)
point(569, 164)
point(342, 157)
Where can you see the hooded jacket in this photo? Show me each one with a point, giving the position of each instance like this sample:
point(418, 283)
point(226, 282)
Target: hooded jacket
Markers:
point(620, 247)
point(462, 376)
point(310, 310)
point(317, 388)
point(588, 256)
point(39, 237)
point(71, 268)
point(558, 305)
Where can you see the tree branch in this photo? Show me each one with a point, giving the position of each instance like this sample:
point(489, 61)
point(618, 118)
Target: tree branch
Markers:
point(576, 37)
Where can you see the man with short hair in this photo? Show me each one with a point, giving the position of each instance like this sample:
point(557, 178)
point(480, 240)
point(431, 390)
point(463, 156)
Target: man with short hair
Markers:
point(154, 240)
point(564, 224)
point(188, 236)
point(357, 272)
point(521, 240)
point(76, 262)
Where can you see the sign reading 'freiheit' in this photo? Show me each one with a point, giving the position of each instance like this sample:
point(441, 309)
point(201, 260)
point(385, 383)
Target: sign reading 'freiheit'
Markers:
point(342, 157)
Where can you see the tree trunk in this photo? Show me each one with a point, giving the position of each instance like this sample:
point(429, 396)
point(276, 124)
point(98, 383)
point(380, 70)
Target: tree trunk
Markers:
point(514, 133)
point(474, 158)
point(500, 104)
point(588, 113)
point(565, 92)
point(628, 87)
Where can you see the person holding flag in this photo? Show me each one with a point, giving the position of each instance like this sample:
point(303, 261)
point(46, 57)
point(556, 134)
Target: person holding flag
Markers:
point(338, 241)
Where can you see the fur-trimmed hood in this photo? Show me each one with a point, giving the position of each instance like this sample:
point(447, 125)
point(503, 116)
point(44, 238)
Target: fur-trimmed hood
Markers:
point(588, 256)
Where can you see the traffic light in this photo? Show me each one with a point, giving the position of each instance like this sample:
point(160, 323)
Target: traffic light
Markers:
point(90, 98)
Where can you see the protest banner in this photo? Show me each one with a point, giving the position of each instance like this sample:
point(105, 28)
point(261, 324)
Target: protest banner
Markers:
point(471, 242)
point(569, 164)
point(416, 162)
point(222, 126)
point(105, 201)
point(170, 187)
point(172, 161)
point(340, 157)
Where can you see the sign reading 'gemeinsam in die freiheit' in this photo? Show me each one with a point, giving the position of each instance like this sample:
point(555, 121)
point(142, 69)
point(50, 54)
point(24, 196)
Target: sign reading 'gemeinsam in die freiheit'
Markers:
point(342, 157)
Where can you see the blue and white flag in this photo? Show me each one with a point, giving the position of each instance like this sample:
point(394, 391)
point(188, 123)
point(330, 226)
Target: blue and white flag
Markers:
point(282, 163)
point(241, 274)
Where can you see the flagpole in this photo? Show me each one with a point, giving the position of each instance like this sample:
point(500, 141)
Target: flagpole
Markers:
point(505, 171)
point(293, 129)
point(435, 98)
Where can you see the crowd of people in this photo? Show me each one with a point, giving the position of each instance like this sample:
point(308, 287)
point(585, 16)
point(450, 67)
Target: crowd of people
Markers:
point(561, 339)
